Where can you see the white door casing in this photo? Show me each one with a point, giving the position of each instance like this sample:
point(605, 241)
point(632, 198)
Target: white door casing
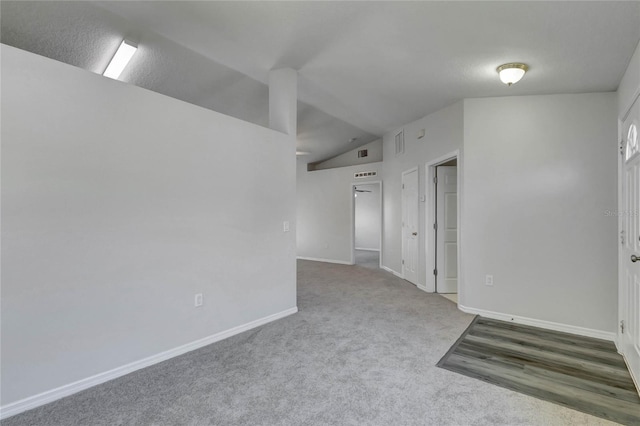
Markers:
point(447, 229)
point(410, 213)
point(629, 275)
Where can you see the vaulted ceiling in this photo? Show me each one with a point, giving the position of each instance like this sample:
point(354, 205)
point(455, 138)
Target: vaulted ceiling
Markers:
point(364, 68)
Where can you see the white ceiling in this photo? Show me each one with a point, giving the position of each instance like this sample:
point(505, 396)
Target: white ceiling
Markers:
point(365, 68)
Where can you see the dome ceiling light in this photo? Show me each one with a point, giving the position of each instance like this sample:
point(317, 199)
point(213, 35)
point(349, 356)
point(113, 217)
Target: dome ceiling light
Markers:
point(512, 72)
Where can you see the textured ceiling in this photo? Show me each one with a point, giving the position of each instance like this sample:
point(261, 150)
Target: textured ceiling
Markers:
point(85, 35)
point(365, 68)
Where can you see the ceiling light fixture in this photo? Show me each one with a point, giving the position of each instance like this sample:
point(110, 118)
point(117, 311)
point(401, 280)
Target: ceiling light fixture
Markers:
point(120, 59)
point(512, 72)
point(299, 153)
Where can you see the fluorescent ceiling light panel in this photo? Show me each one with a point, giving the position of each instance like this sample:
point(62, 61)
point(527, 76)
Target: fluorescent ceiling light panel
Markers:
point(120, 59)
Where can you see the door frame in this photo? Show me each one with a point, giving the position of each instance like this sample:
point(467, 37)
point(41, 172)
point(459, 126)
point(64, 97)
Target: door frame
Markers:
point(430, 218)
point(402, 251)
point(622, 259)
point(619, 309)
point(353, 219)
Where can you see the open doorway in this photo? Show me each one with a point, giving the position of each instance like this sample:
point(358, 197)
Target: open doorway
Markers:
point(442, 241)
point(367, 214)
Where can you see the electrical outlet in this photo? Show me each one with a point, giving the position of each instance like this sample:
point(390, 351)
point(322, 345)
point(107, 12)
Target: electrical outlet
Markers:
point(198, 301)
point(488, 280)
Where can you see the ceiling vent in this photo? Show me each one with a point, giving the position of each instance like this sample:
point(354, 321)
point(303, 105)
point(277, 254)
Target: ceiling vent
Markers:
point(363, 153)
point(361, 175)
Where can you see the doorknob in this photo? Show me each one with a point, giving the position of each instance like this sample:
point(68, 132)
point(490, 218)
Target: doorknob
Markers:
point(415, 233)
point(634, 258)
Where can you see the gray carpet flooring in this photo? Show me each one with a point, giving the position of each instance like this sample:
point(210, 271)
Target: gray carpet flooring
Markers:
point(362, 351)
point(367, 259)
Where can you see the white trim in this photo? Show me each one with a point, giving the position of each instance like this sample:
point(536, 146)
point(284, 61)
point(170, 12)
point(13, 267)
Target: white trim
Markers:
point(69, 389)
point(319, 259)
point(367, 249)
point(397, 274)
point(352, 234)
point(444, 158)
point(430, 219)
point(581, 331)
point(635, 380)
point(621, 276)
point(423, 288)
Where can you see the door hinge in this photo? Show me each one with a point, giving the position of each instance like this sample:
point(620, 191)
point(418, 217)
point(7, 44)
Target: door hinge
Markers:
point(403, 186)
point(435, 226)
point(403, 261)
point(621, 147)
point(435, 179)
point(435, 272)
point(622, 327)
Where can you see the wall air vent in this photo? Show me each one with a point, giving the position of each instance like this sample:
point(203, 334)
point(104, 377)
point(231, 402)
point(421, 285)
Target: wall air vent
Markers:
point(363, 153)
point(361, 175)
point(400, 143)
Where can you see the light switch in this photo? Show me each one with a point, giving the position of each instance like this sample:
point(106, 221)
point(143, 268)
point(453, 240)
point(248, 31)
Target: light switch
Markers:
point(285, 226)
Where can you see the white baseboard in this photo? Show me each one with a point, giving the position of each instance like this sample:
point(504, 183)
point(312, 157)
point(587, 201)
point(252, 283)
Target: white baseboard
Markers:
point(367, 249)
point(397, 274)
point(31, 402)
point(426, 289)
point(319, 259)
point(581, 331)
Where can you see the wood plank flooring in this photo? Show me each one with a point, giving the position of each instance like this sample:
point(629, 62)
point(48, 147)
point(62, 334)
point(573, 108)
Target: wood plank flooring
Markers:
point(578, 372)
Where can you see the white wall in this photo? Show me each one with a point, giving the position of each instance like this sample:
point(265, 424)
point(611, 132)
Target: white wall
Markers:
point(325, 211)
point(368, 216)
point(443, 134)
point(118, 205)
point(539, 174)
point(351, 158)
point(629, 87)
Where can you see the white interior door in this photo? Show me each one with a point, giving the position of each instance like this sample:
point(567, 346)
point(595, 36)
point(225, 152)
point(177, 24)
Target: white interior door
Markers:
point(447, 229)
point(629, 284)
point(410, 225)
